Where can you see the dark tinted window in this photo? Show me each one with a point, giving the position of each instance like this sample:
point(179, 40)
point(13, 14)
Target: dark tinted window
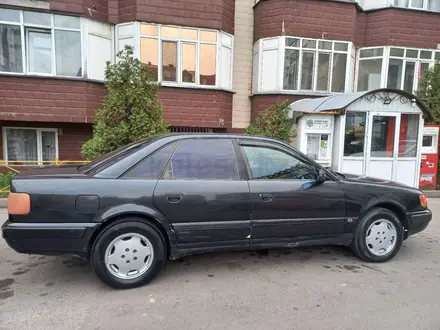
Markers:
point(267, 163)
point(113, 157)
point(203, 159)
point(151, 167)
point(427, 141)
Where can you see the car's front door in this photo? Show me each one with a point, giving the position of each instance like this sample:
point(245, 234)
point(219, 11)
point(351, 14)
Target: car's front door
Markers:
point(288, 203)
point(204, 196)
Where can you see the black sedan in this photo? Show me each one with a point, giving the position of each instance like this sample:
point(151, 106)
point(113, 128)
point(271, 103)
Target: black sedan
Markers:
point(175, 195)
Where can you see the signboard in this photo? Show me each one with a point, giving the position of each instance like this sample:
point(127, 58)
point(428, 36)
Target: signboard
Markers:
point(319, 123)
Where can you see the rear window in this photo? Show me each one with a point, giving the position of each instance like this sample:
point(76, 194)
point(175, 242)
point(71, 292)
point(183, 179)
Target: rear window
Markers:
point(113, 157)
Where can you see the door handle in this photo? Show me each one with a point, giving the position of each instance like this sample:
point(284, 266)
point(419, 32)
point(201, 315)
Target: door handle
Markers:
point(266, 197)
point(174, 198)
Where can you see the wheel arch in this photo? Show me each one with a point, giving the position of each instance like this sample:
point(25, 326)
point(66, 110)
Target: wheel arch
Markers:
point(149, 215)
point(398, 209)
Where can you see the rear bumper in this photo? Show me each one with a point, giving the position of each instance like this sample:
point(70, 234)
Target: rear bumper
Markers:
point(418, 221)
point(50, 238)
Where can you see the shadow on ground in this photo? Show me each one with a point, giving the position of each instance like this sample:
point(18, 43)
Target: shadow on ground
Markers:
point(67, 271)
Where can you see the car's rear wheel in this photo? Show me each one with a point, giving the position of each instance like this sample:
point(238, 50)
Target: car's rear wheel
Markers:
point(128, 253)
point(379, 236)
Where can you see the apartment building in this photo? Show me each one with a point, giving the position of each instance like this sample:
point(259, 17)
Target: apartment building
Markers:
point(220, 62)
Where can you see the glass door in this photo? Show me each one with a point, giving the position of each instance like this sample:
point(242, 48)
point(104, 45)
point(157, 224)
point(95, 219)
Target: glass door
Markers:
point(383, 148)
point(408, 163)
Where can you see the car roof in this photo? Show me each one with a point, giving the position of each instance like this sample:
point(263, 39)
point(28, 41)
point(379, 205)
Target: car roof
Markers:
point(176, 136)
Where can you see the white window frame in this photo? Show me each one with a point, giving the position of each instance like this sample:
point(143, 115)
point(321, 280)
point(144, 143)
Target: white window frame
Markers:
point(316, 51)
point(25, 27)
point(384, 65)
point(281, 47)
point(386, 60)
point(180, 41)
point(39, 130)
point(410, 5)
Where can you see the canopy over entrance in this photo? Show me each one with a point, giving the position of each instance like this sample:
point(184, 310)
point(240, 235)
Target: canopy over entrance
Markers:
point(338, 103)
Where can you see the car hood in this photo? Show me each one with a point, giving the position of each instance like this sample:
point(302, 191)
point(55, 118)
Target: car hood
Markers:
point(51, 171)
point(367, 179)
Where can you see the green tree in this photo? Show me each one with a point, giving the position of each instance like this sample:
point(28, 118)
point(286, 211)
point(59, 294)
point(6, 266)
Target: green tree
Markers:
point(429, 92)
point(130, 110)
point(273, 122)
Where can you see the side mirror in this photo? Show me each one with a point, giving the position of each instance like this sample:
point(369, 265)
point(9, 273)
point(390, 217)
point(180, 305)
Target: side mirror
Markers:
point(321, 176)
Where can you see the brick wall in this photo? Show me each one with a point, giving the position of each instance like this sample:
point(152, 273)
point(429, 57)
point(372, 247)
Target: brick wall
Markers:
point(59, 100)
point(214, 14)
point(95, 9)
point(196, 107)
point(49, 100)
point(400, 27)
point(217, 14)
point(264, 101)
point(305, 18)
point(343, 21)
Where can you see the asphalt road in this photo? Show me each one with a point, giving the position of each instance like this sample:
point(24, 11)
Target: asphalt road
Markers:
point(316, 288)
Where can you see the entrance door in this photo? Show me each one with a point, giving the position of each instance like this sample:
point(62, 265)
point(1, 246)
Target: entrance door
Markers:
point(383, 145)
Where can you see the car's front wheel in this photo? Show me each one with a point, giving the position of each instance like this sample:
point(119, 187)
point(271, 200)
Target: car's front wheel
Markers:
point(128, 253)
point(379, 236)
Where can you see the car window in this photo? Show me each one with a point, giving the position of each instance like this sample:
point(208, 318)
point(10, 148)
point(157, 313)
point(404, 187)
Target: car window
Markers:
point(267, 163)
point(113, 157)
point(151, 167)
point(206, 159)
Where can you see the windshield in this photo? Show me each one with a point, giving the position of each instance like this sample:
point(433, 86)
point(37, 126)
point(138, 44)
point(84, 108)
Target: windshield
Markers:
point(113, 157)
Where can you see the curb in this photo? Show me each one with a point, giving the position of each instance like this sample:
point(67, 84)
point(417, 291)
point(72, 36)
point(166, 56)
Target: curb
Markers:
point(3, 203)
point(432, 193)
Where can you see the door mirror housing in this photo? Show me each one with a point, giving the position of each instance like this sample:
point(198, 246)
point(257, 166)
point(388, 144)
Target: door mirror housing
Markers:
point(321, 176)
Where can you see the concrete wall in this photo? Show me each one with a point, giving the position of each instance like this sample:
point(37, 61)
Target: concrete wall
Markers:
point(242, 72)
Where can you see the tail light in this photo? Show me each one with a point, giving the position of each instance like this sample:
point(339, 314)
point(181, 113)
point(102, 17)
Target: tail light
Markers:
point(19, 204)
point(423, 201)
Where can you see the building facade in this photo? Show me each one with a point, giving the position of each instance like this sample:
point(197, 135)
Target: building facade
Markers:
point(219, 62)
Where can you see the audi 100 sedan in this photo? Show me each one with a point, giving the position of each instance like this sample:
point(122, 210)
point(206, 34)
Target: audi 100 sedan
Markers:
point(175, 195)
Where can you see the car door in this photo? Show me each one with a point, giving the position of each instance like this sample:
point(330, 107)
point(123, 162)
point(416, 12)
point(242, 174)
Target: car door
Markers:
point(203, 194)
point(288, 204)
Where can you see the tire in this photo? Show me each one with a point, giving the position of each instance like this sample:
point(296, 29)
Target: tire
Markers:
point(365, 231)
point(131, 235)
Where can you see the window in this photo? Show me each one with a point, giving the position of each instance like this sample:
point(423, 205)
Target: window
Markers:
point(403, 67)
point(370, 68)
point(187, 56)
point(382, 136)
point(354, 134)
point(409, 132)
point(203, 159)
point(314, 65)
point(151, 167)
point(433, 5)
point(272, 164)
point(52, 43)
point(30, 144)
point(408, 66)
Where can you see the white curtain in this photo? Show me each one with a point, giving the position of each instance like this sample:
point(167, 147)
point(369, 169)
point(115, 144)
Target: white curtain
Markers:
point(21, 144)
point(401, 3)
point(434, 5)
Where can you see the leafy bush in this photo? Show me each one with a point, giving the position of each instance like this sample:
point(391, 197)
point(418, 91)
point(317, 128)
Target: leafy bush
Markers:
point(273, 122)
point(130, 110)
point(429, 92)
point(5, 180)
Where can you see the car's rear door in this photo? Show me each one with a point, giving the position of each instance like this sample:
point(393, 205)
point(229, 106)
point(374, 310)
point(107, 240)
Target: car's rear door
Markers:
point(203, 195)
point(288, 203)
